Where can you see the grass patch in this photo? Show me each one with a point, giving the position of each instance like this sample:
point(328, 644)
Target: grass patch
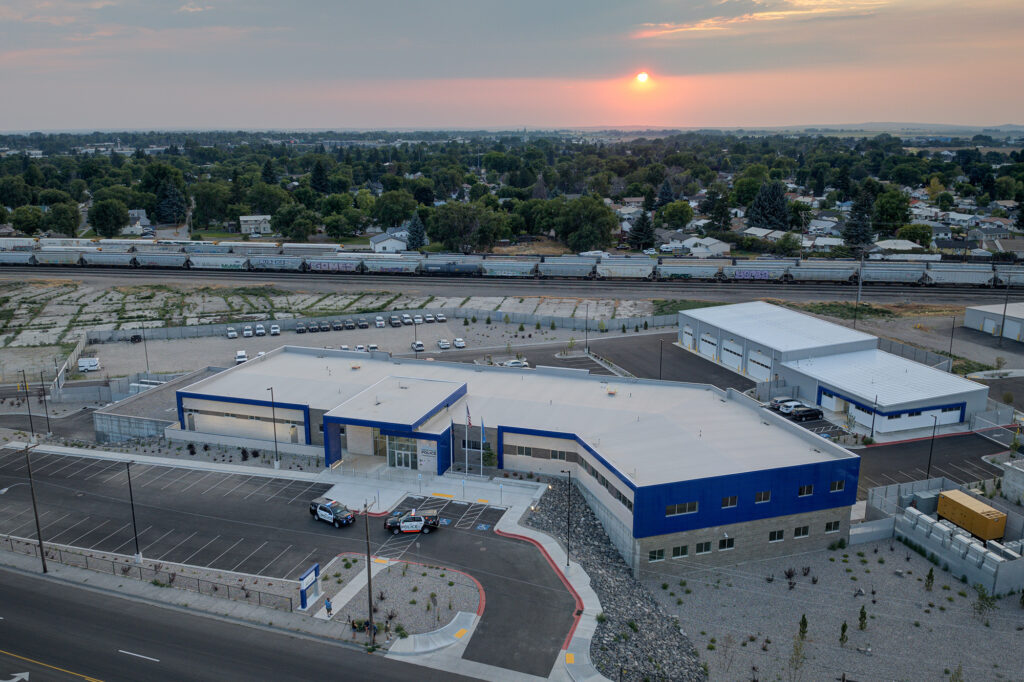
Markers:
point(670, 306)
point(843, 310)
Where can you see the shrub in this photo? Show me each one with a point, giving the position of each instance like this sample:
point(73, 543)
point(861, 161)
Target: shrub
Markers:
point(488, 321)
point(465, 322)
point(537, 326)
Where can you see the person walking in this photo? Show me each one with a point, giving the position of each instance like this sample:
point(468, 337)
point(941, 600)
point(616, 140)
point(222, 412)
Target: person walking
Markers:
point(327, 605)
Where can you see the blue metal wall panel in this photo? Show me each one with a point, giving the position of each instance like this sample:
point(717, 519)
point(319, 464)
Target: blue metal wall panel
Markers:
point(883, 413)
point(650, 501)
point(444, 451)
point(452, 398)
point(244, 401)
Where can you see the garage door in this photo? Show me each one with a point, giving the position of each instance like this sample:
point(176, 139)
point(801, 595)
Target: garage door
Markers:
point(1012, 330)
point(989, 326)
point(732, 354)
point(708, 346)
point(688, 337)
point(759, 366)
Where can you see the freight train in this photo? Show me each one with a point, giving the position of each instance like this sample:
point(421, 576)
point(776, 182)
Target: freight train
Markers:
point(330, 259)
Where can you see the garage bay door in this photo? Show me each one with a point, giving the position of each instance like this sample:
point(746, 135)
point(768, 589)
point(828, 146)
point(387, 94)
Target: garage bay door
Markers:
point(688, 337)
point(708, 345)
point(759, 366)
point(1012, 330)
point(989, 326)
point(732, 354)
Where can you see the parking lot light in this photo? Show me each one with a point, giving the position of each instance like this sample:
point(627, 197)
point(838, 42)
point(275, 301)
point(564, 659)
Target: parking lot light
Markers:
point(568, 515)
point(131, 499)
point(273, 420)
point(35, 509)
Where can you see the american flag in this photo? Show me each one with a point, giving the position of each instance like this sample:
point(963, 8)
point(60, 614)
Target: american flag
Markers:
point(469, 419)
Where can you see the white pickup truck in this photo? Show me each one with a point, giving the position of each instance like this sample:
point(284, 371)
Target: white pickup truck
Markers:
point(88, 364)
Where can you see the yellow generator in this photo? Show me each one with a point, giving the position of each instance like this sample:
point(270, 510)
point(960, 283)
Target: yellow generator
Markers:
point(973, 515)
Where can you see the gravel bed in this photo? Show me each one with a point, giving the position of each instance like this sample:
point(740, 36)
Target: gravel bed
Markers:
point(746, 627)
point(637, 638)
point(419, 598)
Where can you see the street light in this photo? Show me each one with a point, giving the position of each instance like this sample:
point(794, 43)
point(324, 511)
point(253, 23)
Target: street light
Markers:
point(661, 355)
point(586, 330)
point(35, 509)
point(46, 408)
point(371, 626)
point(131, 499)
point(568, 515)
point(28, 404)
point(145, 349)
point(1006, 302)
point(273, 419)
point(931, 446)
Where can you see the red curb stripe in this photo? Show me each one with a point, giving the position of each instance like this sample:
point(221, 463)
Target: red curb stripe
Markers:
point(565, 581)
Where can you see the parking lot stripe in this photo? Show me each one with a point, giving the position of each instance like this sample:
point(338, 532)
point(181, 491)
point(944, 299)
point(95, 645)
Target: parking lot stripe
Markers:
point(248, 556)
point(195, 481)
point(121, 471)
point(154, 542)
point(157, 478)
point(103, 470)
point(165, 487)
point(74, 460)
point(71, 527)
point(199, 550)
point(56, 521)
point(160, 558)
point(301, 566)
point(12, 458)
point(283, 485)
point(243, 482)
point(226, 478)
point(74, 542)
point(271, 562)
point(92, 463)
point(211, 563)
point(43, 461)
point(28, 524)
point(131, 539)
point(110, 536)
point(952, 477)
point(971, 474)
point(450, 497)
point(255, 490)
point(311, 485)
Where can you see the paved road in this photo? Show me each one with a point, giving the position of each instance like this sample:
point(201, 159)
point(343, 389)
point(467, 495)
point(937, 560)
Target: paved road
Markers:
point(58, 632)
point(261, 525)
point(76, 426)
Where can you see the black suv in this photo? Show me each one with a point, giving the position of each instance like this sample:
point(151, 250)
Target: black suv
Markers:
point(300, 328)
point(363, 324)
point(336, 325)
point(395, 321)
point(803, 414)
point(349, 324)
point(331, 511)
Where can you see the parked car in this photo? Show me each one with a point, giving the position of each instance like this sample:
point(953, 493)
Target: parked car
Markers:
point(443, 344)
point(459, 343)
point(415, 521)
point(650, 252)
point(805, 413)
point(789, 406)
point(440, 317)
point(417, 319)
point(275, 330)
point(665, 248)
point(349, 324)
point(261, 330)
point(247, 331)
point(325, 326)
point(776, 403)
point(300, 328)
point(406, 319)
point(418, 346)
point(361, 348)
point(518, 364)
point(232, 334)
point(332, 512)
point(362, 324)
point(344, 346)
point(428, 318)
point(395, 321)
point(240, 357)
point(372, 347)
point(336, 325)
point(378, 322)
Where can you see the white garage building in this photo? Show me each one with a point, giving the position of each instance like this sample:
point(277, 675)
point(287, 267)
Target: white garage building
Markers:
point(826, 364)
point(989, 319)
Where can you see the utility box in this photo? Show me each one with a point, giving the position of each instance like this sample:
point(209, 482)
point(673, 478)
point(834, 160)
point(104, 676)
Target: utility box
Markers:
point(974, 516)
point(926, 501)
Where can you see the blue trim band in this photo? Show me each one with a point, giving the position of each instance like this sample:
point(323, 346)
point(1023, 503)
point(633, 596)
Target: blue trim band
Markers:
point(868, 408)
point(244, 401)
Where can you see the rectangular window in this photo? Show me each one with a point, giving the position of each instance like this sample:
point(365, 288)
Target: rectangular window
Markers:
point(801, 531)
point(524, 451)
point(776, 536)
point(725, 544)
point(680, 551)
point(913, 414)
point(678, 509)
point(950, 409)
point(703, 548)
point(832, 527)
point(805, 490)
point(655, 555)
point(470, 445)
point(837, 486)
point(729, 502)
point(558, 454)
point(763, 496)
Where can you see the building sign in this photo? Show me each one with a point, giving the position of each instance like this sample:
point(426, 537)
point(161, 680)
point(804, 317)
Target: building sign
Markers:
point(427, 456)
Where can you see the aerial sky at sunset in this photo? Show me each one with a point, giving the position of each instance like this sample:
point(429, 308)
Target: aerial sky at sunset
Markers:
point(74, 64)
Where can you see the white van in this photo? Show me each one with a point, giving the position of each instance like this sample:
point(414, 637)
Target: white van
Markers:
point(88, 364)
point(240, 357)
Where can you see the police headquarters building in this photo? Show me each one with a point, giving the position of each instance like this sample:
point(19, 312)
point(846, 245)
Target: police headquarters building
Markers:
point(674, 471)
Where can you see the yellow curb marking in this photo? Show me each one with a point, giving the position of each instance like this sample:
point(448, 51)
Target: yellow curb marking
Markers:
point(484, 501)
point(460, 634)
point(570, 658)
point(47, 665)
point(380, 561)
point(450, 497)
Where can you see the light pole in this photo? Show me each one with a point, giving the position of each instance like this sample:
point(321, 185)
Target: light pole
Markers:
point(661, 355)
point(874, 411)
point(145, 349)
point(953, 329)
point(370, 626)
point(1006, 302)
point(131, 499)
point(28, 404)
point(273, 419)
point(568, 515)
point(860, 287)
point(35, 509)
point(931, 446)
point(46, 408)
point(586, 330)
point(416, 339)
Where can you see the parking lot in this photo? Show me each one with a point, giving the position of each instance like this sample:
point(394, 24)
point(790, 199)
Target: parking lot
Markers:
point(261, 525)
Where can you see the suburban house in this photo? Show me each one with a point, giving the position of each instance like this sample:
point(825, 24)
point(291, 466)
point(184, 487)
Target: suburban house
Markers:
point(959, 219)
point(940, 232)
point(756, 232)
point(387, 243)
point(823, 226)
point(706, 247)
point(824, 244)
point(1014, 246)
point(254, 224)
point(138, 223)
point(896, 245)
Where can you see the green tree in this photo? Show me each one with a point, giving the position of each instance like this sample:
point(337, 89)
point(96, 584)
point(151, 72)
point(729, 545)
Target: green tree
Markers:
point(157, 173)
point(676, 215)
point(587, 224)
point(337, 227)
point(929, 580)
point(417, 233)
point(357, 220)
point(393, 207)
point(62, 218)
point(799, 215)
point(108, 217)
point(843, 638)
point(456, 225)
point(862, 619)
point(295, 222)
point(318, 178)
point(891, 211)
point(14, 192)
point(944, 201)
point(27, 219)
point(1020, 217)
point(665, 194)
point(920, 234)
point(3, 215)
point(789, 245)
point(803, 626)
point(858, 231)
point(424, 195)
point(335, 204)
point(266, 199)
point(170, 207)
point(746, 190)
point(49, 197)
point(769, 210)
point(211, 203)
point(268, 175)
point(642, 236)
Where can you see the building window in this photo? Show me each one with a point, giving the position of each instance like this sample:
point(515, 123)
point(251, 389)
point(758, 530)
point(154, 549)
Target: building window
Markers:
point(320, 427)
point(832, 527)
point(678, 509)
point(725, 544)
point(776, 536)
point(837, 487)
point(893, 416)
point(805, 491)
point(655, 555)
point(680, 551)
point(913, 414)
point(470, 444)
point(763, 496)
point(703, 548)
point(950, 409)
point(729, 502)
point(801, 531)
point(524, 451)
point(558, 454)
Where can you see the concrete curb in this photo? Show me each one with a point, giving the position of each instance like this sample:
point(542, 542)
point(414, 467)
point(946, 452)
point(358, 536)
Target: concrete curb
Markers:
point(463, 624)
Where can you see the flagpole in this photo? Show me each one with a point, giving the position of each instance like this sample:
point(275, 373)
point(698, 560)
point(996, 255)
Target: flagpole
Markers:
point(482, 440)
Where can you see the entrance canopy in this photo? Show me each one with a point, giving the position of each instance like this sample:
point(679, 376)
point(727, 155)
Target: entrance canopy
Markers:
point(403, 403)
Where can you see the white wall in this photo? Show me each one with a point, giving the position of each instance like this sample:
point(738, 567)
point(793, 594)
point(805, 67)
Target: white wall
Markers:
point(359, 440)
point(262, 428)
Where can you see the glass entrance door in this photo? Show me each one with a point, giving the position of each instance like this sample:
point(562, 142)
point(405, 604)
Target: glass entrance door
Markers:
point(402, 452)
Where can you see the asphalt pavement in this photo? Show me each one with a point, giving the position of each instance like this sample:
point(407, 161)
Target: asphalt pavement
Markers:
point(77, 426)
point(261, 525)
point(54, 631)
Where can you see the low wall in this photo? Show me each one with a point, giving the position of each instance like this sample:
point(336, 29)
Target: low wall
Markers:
point(115, 428)
point(872, 531)
point(315, 453)
point(916, 354)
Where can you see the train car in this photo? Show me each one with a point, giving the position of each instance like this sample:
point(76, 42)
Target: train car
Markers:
point(122, 244)
point(893, 273)
point(53, 256)
point(159, 248)
point(17, 243)
point(17, 258)
point(66, 242)
point(567, 266)
point(158, 259)
point(625, 268)
point(303, 249)
point(211, 262)
point(286, 263)
point(333, 264)
point(958, 274)
point(391, 266)
point(1009, 275)
point(817, 271)
point(206, 248)
point(465, 268)
point(250, 248)
point(108, 258)
point(692, 269)
point(756, 271)
point(509, 268)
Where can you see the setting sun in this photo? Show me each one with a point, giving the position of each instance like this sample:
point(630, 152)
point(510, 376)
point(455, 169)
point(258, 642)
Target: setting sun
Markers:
point(642, 77)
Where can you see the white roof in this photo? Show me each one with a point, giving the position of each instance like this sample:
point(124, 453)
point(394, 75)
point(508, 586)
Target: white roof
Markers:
point(651, 431)
point(757, 231)
point(894, 379)
point(1013, 310)
point(897, 245)
point(780, 328)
